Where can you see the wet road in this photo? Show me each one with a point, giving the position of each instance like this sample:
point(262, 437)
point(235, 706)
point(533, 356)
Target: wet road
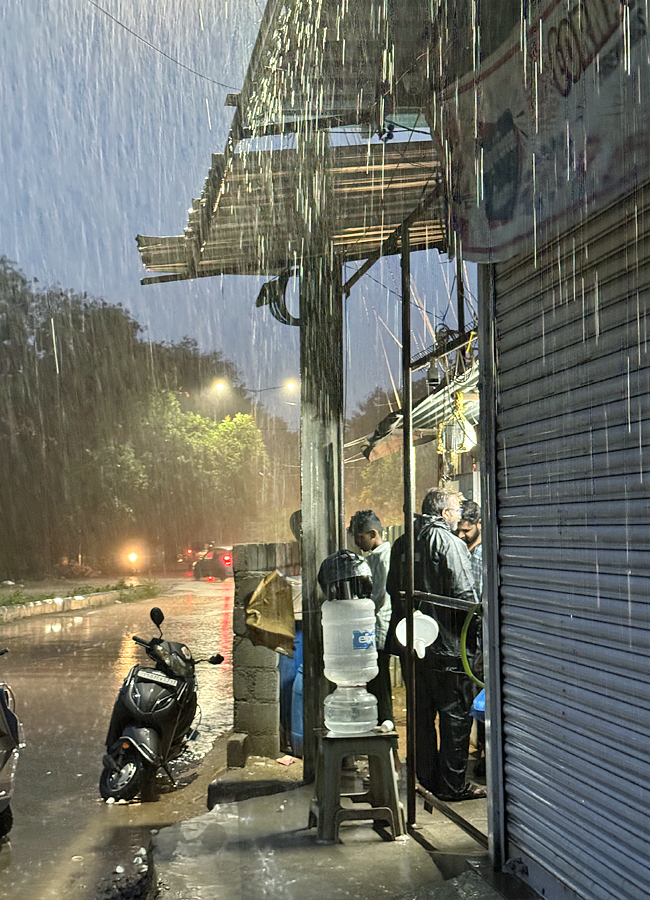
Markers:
point(66, 671)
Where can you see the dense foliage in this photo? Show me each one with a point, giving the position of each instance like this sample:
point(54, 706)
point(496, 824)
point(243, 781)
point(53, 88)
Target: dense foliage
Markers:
point(107, 437)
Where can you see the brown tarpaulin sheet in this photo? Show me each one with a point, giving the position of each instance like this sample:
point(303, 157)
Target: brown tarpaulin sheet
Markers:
point(269, 614)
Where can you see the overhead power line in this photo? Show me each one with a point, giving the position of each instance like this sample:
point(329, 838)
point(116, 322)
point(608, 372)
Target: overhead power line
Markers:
point(228, 87)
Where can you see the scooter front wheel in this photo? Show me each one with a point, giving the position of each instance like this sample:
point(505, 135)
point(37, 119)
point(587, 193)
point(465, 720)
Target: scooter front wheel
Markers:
point(123, 782)
point(6, 821)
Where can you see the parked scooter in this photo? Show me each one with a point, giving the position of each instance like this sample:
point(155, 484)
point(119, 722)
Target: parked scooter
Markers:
point(152, 718)
point(11, 740)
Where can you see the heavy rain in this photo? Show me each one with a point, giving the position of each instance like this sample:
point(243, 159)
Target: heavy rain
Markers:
point(263, 267)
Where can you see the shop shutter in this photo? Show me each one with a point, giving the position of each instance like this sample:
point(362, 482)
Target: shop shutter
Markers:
point(573, 490)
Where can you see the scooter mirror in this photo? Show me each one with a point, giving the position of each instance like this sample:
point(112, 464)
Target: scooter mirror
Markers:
point(216, 659)
point(157, 616)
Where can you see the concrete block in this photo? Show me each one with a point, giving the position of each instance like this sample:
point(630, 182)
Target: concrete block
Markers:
point(262, 559)
point(237, 750)
point(266, 685)
point(267, 745)
point(242, 684)
point(245, 584)
point(280, 557)
point(233, 790)
point(254, 717)
point(239, 621)
point(244, 653)
point(240, 556)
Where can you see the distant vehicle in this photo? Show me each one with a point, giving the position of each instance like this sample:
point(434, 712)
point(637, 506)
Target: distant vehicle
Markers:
point(187, 558)
point(214, 563)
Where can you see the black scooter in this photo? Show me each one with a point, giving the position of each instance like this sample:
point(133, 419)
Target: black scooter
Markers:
point(152, 718)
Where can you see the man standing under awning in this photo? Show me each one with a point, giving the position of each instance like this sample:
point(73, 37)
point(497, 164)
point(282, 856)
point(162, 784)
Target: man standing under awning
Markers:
point(442, 566)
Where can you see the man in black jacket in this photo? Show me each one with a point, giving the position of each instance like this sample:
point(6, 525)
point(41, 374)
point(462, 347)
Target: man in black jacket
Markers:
point(441, 566)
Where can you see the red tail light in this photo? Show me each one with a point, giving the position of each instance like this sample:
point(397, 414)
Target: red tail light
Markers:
point(227, 559)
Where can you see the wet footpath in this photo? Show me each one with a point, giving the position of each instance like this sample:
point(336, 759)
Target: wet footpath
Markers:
point(255, 843)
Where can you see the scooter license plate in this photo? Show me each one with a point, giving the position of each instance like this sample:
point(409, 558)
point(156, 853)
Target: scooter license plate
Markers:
point(158, 677)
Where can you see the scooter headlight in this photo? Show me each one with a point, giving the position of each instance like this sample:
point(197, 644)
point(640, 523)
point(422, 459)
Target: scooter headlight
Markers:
point(166, 657)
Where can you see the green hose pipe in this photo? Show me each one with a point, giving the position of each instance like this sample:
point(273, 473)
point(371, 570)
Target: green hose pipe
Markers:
point(475, 611)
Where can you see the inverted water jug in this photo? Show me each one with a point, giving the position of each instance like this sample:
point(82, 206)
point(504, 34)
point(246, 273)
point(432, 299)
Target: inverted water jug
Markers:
point(350, 657)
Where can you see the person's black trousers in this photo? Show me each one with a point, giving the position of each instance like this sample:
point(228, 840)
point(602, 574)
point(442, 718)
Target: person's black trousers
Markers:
point(381, 687)
point(441, 770)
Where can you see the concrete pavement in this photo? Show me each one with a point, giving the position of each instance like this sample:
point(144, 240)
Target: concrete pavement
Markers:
point(259, 847)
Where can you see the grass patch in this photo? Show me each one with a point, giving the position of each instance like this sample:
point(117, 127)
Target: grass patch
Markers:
point(127, 593)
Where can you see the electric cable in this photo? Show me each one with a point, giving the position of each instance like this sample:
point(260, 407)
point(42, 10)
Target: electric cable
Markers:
point(228, 87)
point(407, 128)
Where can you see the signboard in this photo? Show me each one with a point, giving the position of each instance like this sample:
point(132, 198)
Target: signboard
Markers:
point(543, 120)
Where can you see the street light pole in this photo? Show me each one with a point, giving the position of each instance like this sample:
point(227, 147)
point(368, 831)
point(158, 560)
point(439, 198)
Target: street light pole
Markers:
point(289, 385)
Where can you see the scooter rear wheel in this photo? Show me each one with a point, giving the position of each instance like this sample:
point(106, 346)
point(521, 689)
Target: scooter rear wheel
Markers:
point(125, 781)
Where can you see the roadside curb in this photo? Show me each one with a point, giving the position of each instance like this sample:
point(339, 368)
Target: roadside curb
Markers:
point(56, 605)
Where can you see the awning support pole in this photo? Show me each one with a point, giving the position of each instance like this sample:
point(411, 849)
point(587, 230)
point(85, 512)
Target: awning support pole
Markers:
point(407, 403)
point(390, 245)
point(460, 288)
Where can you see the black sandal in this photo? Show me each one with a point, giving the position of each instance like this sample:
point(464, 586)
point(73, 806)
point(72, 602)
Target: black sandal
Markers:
point(471, 792)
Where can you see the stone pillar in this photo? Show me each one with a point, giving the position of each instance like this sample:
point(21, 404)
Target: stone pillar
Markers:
point(321, 343)
point(321, 424)
point(256, 696)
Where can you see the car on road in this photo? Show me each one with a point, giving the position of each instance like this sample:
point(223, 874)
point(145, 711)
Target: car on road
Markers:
point(216, 562)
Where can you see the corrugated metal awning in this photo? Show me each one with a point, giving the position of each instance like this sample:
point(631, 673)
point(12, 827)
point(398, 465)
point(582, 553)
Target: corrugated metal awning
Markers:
point(248, 220)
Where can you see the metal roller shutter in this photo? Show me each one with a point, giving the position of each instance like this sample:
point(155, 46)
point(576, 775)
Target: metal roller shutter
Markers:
point(573, 485)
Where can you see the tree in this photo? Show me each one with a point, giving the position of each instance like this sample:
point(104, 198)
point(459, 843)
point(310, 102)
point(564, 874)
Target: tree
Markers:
point(364, 420)
point(202, 476)
point(383, 489)
point(379, 485)
point(96, 443)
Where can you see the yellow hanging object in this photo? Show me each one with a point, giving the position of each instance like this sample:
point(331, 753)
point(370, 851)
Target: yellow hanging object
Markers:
point(456, 434)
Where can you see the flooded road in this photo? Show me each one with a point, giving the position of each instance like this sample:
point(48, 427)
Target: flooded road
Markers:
point(66, 671)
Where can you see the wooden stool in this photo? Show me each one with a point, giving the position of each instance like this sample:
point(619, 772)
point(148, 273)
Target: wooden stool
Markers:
point(382, 795)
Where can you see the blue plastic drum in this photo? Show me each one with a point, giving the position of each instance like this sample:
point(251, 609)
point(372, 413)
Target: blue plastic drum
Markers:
point(287, 669)
point(296, 715)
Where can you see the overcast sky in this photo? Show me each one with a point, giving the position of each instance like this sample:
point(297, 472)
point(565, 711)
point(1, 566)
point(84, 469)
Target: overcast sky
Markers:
point(103, 138)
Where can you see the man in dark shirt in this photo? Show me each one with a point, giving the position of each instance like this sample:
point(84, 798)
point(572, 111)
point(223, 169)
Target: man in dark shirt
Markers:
point(441, 566)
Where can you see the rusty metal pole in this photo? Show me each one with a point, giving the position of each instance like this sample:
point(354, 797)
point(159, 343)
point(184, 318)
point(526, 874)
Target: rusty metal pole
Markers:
point(460, 287)
point(407, 430)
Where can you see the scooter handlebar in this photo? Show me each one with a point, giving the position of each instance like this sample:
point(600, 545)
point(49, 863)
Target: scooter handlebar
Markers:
point(215, 660)
point(140, 641)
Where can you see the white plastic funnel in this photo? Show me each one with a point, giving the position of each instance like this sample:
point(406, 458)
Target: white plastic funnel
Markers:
point(425, 631)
